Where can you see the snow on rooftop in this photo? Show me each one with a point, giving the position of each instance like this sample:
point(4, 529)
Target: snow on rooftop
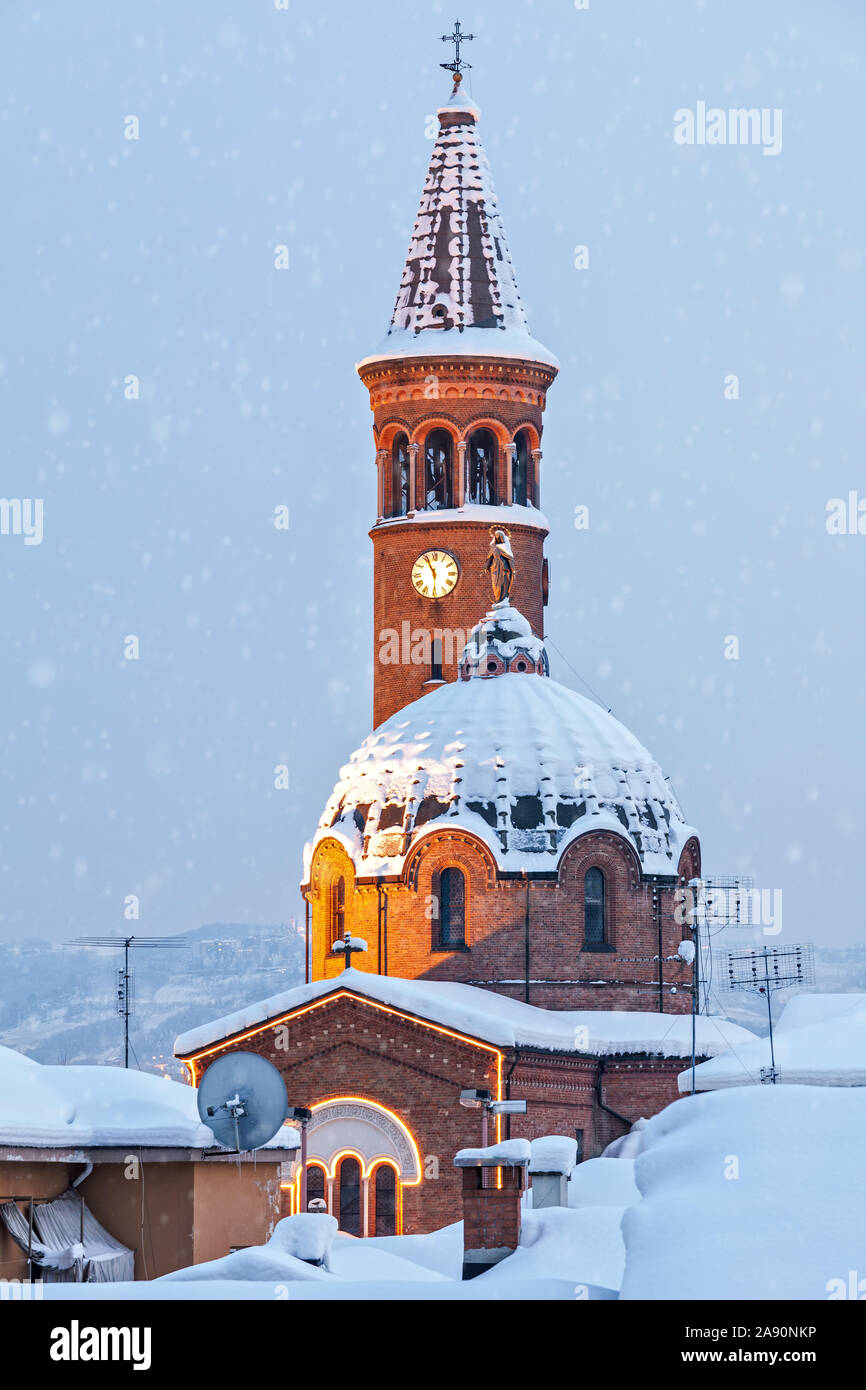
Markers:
point(522, 761)
point(511, 1153)
point(493, 1018)
point(820, 1040)
point(553, 1153)
point(481, 512)
point(98, 1107)
point(788, 1222)
point(458, 293)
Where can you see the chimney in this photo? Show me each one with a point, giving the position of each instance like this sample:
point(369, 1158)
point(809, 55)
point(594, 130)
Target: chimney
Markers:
point(553, 1158)
point(491, 1212)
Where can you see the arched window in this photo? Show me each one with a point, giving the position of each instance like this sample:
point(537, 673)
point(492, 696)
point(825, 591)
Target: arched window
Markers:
point(386, 1200)
point(593, 908)
point(521, 471)
point(337, 910)
point(316, 1184)
point(452, 908)
point(438, 470)
point(482, 468)
point(350, 1196)
point(400, 476)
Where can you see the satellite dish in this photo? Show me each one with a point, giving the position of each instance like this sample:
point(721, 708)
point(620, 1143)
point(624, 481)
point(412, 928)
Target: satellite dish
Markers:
point(242, 1099)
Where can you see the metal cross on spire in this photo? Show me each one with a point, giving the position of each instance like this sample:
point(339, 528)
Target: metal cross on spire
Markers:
point(458, 37)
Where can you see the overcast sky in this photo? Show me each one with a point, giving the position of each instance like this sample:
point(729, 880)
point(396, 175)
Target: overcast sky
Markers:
point(154, 257)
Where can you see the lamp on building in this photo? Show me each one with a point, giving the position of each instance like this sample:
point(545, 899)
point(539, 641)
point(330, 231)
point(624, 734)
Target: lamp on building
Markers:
point(483, 1101)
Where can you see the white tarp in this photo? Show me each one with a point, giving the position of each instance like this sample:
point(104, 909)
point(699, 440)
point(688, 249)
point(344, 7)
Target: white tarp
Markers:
point(57, 1248)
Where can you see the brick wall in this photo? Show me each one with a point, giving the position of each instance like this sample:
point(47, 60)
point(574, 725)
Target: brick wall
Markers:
point(395, 601)
point(349, 1046)
point(625, 977)
point(459, 395)
point(491, 1215)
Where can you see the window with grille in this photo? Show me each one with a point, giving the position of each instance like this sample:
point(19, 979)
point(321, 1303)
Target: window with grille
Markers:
point(337, 910)
point(316, 1185)
point(594, 908)
point(350, 1196)
point(438, 469)
point(452, 908)
point(386, 1200)
point(482, 468)
point(521, 484)
point(400, 476)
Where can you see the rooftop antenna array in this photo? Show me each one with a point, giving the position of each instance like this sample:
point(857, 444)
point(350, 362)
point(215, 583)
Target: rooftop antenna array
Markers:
point(709, 906)
point(768, 969)
point(125, 976)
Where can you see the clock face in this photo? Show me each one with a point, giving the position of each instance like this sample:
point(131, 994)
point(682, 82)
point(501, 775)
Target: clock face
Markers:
point(435, 573)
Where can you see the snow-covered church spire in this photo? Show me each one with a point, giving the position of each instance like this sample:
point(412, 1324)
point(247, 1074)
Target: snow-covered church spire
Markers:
point(458, 273)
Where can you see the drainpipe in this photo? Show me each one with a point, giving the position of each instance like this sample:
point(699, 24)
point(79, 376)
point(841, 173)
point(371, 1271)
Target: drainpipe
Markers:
point(600, 1099)
point(378, 928)
point(514, 1062)
point(526, 940)
point(657, 906)
point(88, 1169)
point(385, 930)
point(306, 940)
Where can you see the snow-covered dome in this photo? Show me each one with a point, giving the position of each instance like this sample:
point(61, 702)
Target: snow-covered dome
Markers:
point(523, 762)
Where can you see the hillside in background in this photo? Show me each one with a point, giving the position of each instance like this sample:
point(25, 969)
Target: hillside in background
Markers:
point(59, 1002)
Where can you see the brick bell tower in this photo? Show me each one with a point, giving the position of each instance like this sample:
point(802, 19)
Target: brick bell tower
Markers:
point(458, 391)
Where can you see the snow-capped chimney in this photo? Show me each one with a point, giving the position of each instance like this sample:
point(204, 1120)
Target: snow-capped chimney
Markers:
point(491, 1213)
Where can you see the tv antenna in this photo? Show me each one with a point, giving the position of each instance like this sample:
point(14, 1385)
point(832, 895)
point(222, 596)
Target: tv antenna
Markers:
point(125, 976)
point(767, 969)
point(242, 1100)
point(711, 905)
point(726, 900)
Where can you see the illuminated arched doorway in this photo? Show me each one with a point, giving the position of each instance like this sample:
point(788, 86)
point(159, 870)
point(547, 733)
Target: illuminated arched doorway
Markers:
point(360, 1157)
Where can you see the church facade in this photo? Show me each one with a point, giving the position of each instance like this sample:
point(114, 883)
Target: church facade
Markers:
point(498, 863)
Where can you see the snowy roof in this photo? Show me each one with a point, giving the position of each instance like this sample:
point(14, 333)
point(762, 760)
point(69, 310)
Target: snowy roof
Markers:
point(819, 1040)
point(523, 762)
point(553, 1153)
point(458, 293)
point(511, 1153)
point(792, 1224)
point(99, 1107)
point(490, 1017)
point(480, 513)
